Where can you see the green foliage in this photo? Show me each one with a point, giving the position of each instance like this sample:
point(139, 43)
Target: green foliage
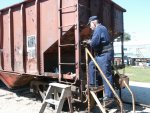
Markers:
point(127, 37)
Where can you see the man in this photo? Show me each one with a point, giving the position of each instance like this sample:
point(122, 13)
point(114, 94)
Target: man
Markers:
point(100, 43)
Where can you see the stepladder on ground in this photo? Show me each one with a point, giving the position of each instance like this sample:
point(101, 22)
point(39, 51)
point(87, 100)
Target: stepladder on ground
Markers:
point(56, 94)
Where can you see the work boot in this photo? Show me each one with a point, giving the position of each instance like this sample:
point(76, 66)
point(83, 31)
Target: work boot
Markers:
point(92, 87)
point(105, 99)
point(108, 102)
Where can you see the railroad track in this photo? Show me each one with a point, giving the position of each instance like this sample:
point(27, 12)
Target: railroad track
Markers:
point(20, 101)
point(23, 101)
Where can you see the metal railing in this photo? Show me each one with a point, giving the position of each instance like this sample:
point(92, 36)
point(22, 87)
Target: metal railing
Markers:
point(87, 52)
point(127, 86)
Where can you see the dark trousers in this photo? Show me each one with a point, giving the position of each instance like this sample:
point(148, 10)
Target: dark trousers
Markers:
point(104, 61)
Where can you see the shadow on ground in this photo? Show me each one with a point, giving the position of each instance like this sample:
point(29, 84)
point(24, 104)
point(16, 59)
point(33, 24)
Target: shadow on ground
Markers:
point(142, 98)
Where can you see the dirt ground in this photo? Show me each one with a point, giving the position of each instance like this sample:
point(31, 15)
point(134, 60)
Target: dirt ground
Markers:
point(22, 101)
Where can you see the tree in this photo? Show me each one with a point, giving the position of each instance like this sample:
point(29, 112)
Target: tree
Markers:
point(127, 37)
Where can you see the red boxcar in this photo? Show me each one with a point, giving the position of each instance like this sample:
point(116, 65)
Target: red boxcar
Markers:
point(42, 38)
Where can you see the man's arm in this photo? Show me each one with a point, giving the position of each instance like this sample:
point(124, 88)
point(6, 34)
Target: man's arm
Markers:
point(96, 38)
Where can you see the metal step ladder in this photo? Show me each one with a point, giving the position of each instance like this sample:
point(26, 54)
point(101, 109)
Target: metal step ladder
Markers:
point(52, 97)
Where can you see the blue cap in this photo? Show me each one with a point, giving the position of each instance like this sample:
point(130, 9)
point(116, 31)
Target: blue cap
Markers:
point(92, 18)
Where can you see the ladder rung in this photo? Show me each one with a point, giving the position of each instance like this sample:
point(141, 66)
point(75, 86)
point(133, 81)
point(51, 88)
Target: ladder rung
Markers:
point(106, 104)
point(100, 88)
point(64, 45)
point(82, 63)
point(114, 110)
point(66, 26)
point(67, 63)
point(58, 85)
point(64, 31)
point(67, 7)
point(52, 101)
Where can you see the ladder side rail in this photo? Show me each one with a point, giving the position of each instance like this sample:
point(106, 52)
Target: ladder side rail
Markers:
point(77, 42)
point(61, 102)
point(43, 107)
point(48, 93)
point(59, 36)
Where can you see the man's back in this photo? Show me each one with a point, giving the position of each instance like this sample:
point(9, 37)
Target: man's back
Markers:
point(100, 38)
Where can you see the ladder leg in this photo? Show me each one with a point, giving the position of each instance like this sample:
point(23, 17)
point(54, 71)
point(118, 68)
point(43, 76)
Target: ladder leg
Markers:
point(70, 105)
point(48, 95)
point(49, 92)
point(43, 107)
point(59, 108)
point(55, 96)
point(61, 102)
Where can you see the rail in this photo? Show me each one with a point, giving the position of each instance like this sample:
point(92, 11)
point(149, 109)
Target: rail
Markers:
point(127, 86)
point(87, 52)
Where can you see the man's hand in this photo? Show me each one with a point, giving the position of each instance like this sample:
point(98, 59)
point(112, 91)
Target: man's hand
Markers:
point(87, 42)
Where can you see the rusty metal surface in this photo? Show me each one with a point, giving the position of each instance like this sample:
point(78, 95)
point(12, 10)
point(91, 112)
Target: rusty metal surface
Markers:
point(13, 80)
point(29, 33)
point(18, 41)
point(109, 14)
point(6, 41)
point(31, 61)
point(1, 42)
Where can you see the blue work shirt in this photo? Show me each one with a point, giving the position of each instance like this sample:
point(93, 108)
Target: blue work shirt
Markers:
point(100, 38)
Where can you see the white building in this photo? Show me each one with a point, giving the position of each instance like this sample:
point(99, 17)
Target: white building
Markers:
point(135, 52)
point(133, 49)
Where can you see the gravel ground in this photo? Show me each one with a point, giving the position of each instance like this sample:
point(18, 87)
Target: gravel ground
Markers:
point(21, 101)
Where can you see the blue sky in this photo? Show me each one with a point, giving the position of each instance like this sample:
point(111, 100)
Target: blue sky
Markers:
point(136, 19)
point(5, 3)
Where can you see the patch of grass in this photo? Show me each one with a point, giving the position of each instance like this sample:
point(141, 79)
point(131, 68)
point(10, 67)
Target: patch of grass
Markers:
point(138, 74)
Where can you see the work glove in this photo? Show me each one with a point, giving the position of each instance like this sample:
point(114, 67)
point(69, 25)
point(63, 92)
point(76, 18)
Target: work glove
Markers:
point(86, 42)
